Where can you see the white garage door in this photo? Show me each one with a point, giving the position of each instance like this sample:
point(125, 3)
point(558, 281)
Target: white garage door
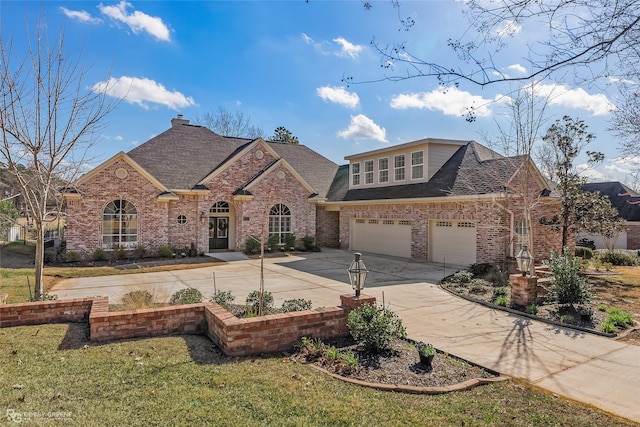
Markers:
point(382, 236)
point(453, 242)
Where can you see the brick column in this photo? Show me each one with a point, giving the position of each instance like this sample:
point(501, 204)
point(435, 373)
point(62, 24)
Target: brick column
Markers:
point(351, 302)
point(523, 290)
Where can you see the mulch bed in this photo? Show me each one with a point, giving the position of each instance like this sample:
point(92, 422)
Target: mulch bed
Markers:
point(400, 366)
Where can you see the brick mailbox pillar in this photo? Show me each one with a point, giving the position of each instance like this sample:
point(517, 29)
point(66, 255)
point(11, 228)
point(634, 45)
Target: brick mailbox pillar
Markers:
point(351, 302)
point(523, 290)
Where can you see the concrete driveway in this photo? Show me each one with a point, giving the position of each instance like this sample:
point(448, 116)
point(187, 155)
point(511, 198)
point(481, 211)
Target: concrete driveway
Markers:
point(584, 367)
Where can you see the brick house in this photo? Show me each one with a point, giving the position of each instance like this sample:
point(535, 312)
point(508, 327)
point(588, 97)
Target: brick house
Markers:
point(627, 201)
point(430, 200)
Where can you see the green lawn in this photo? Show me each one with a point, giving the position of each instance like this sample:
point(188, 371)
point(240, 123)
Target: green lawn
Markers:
point(184, 381)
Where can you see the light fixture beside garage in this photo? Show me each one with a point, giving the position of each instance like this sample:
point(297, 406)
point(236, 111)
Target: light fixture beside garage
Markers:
point(357, 273)
point(524, 259)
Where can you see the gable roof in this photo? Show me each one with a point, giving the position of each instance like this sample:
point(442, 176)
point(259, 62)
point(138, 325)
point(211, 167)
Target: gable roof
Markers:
point(183, 155)
point(472, 170)
point(623, 198)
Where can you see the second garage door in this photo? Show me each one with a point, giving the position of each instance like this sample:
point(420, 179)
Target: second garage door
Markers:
point(382, 236)
point(453, 242)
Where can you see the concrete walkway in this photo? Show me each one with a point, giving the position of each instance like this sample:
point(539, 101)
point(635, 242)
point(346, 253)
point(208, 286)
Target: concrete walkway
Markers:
point(584, 367)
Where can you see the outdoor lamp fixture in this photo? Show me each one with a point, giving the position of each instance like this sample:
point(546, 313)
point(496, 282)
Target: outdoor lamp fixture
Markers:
point(203, 218)
point(524, 259)
point(357, 273)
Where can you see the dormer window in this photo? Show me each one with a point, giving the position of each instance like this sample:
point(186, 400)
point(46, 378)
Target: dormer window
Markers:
point(355, 174)
point(417, 165)
point(399, 167)
point(368, 172)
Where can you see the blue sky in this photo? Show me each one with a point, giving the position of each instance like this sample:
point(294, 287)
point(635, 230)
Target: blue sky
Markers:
point(281, 63)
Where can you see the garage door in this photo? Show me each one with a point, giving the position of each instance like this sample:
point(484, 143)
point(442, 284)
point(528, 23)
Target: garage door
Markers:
point(382, 236)
point(453, 242)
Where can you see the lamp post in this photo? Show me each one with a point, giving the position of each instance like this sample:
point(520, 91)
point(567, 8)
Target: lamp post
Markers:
point(524, 259)
point(357, 273)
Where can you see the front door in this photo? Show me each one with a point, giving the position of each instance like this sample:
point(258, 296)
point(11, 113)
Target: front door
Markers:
point(219, 232)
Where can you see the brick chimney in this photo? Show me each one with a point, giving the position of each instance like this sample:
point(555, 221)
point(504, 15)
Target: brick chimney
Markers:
point(179, 121)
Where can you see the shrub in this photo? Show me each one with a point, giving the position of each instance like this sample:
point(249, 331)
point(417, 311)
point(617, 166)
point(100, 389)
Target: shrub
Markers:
point(297, 304)
point(50, 255)
point(72, 256)
point(140, 251)
point(165, 252)
point(499, 292)
point(608, 327)
point(253, 302)
point(476, 286)
point(568, 286)
point(351, 362)
point(617, 257)
point(119, 252)
point(290, 241)
point(502, 301)
point(99, 255)
point(602, 307)
point(308, 242)
point(272, 242)
point(252, 245)
point(482, 269)
point(620, 319)
point(532, 309)
point(186, 296)
point(498, 278)
point(583, 252)
point(462, 276)
point(223, 298)
point(375, 327)
point(137, 299)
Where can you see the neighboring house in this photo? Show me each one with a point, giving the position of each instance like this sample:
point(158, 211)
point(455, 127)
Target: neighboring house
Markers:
point(431, 200)
point(627, 201)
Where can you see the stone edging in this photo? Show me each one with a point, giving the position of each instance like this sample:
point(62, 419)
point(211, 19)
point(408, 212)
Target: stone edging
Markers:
point(530, 316)
point(414, 389)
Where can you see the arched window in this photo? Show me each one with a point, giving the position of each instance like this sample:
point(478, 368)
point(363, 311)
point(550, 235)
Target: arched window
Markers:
point(521, 235)
point(220, 207)
point(279, 222)
point(119, 225)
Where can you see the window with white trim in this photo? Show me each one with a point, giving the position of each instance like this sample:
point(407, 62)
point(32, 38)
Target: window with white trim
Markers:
point(521, 235)
point(399, 167)
point(368, 172)
point(417, 165)
point(280, 222)
point(119, 225)
point(355, 174)
point(383, 170)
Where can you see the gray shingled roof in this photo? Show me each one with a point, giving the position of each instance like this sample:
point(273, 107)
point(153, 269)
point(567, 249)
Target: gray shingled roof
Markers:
point(473, 169)
point(184, 154)
point(620, 196)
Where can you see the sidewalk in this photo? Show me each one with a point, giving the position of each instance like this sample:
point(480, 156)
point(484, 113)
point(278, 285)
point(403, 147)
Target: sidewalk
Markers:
point(584, 367)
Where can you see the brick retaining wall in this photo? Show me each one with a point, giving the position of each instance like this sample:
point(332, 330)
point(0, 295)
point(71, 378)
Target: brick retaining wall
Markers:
point(234, 336)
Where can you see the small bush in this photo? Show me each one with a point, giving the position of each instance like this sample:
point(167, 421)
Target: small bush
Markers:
point(499, 292)
point(617, 257)
point(502, 301)
point(602, 307)
point(375, 327)
point(477, 286)
point(186, 296)
point(252, 245)
point(140, 251)
point(462, 276)
point(568, 286)
point(608, 327)
point(481, 269)
point(532, 309)
point(297, 304)
point(308, 242)
point(50, 255)
point(99, 255)
point(120, 252)
point(351, 362)
point(272, 242)
point(583, 252)
point(72, 256)
point(498, 278)
point(290, 241)
point(137, 299)
point(223, 298)
point(620, 319)
point(165, 252)
point(253, 302)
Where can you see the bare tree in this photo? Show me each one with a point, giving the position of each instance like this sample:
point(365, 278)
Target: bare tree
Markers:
point(227, 123)
point(48, 120)
point(626, 122)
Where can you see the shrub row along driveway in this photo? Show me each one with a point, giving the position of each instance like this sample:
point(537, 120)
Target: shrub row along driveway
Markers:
point(581, 366)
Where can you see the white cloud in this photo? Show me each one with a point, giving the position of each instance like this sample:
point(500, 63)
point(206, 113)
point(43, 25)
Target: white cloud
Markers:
point(517, 68)
point(81, 15)
point(510, 28)
point(451, 101)
point(143, 91)
point(348, 49)
point(362, 127)
point(137, 21)
point(307, 39)
point(339, 95)
point(598, 105)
